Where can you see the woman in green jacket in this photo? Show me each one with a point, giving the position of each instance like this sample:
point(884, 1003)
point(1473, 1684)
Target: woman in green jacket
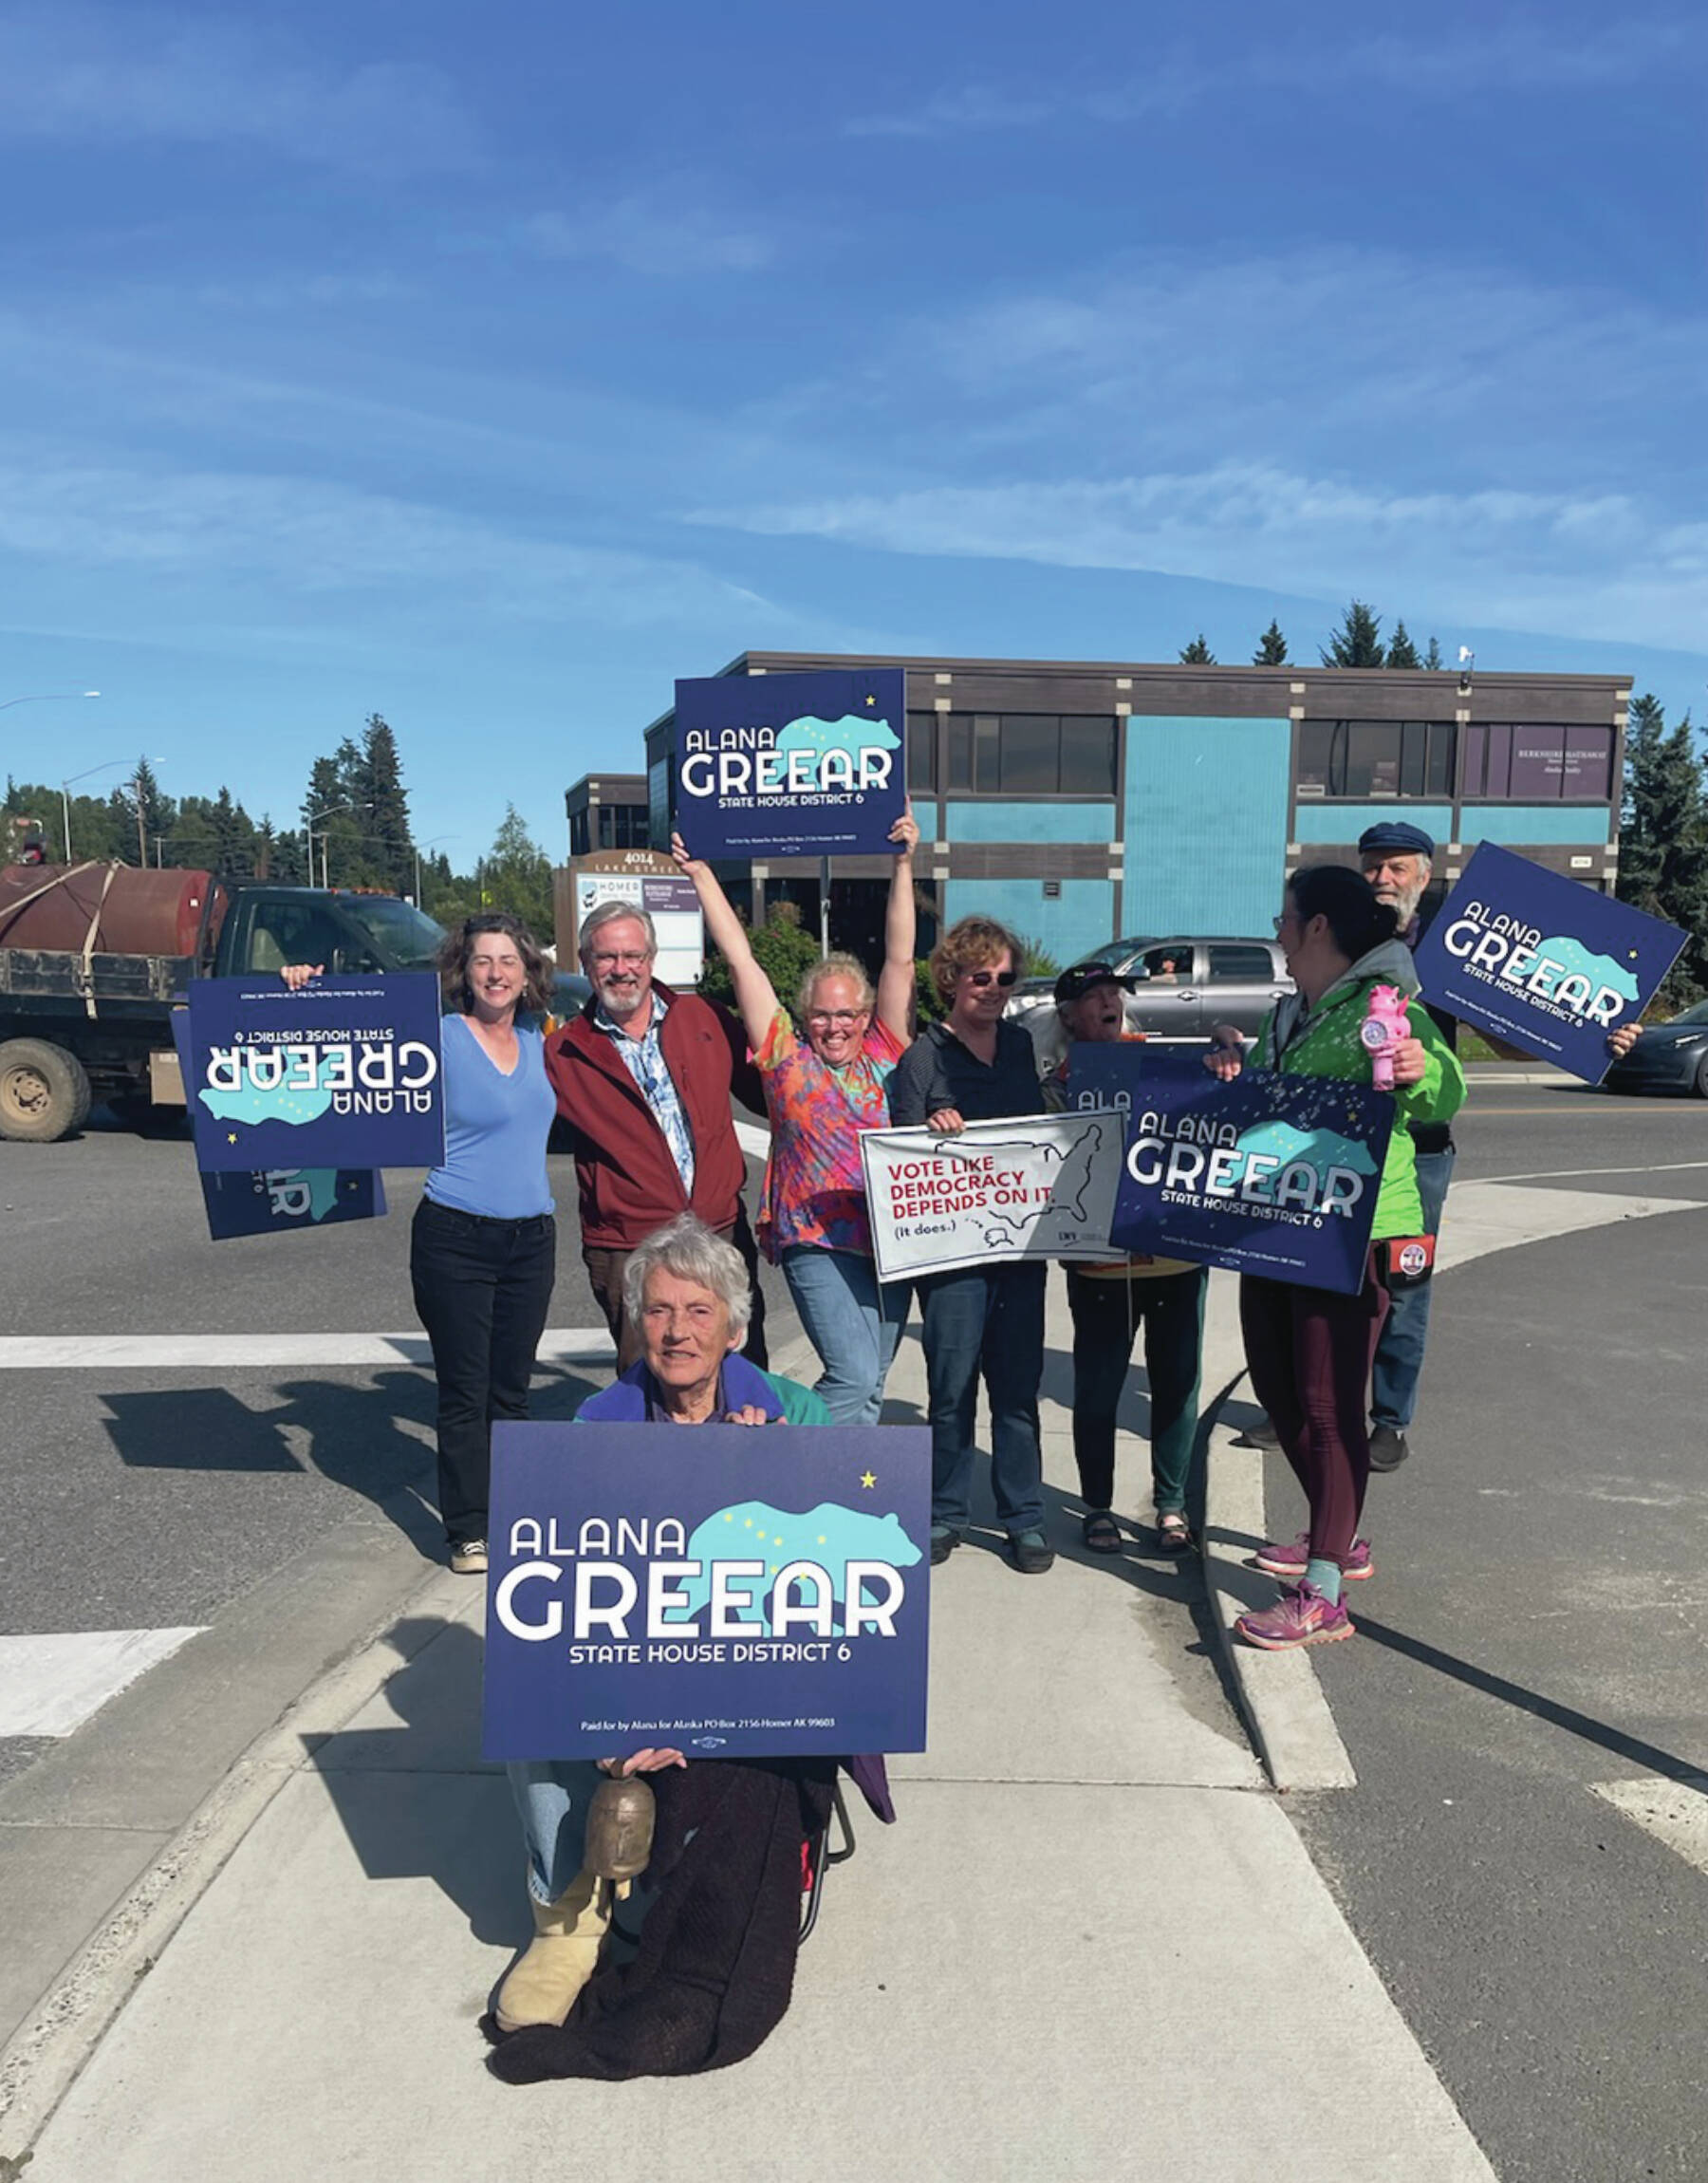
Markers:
point(1310, 1350)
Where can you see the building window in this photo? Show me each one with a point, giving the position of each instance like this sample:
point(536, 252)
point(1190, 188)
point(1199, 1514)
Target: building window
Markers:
point(1370, 759)
point(1537, 764)
point(621, 826)
point(579, 844)
point(1032, 753)
point(921, 752)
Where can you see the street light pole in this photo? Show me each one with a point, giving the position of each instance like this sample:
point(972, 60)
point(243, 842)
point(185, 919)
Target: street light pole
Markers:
point(53, 698)
point(331, 812)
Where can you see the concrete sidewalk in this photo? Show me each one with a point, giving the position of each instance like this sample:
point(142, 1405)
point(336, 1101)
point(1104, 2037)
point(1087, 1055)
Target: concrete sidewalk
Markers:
point(1092, 1947)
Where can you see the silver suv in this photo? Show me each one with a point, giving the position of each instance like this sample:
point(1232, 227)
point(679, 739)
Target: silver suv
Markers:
point(1185, 985)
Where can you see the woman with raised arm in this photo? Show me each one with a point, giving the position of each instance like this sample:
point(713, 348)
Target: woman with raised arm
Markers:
point(821, 1093)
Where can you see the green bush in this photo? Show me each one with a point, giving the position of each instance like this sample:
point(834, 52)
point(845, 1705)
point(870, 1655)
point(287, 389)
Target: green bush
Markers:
point(784, 950)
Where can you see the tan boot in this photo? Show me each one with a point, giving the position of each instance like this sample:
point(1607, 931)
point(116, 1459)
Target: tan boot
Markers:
point(543, 1983)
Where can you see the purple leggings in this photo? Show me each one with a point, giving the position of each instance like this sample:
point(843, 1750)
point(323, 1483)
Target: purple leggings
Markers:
point(1309, 1353)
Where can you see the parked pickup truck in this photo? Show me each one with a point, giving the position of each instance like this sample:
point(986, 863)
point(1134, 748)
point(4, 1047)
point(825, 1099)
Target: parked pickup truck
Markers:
point(92, 957)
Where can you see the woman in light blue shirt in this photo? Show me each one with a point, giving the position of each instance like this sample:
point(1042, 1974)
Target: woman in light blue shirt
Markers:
point(483, 1252)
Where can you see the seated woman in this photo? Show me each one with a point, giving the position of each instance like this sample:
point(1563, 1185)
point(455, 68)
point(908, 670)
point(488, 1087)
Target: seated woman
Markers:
point(687, 1290)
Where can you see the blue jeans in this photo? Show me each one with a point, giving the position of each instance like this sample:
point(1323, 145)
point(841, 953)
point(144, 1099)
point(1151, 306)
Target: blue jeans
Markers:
point(1400, 1353)
point(990, 1320)
point(552, 1795)
point(853, 1320)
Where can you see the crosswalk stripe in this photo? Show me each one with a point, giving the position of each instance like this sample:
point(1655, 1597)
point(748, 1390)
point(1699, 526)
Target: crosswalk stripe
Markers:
point(1675, 1812)
point(51, 1685)
point(208, 1352)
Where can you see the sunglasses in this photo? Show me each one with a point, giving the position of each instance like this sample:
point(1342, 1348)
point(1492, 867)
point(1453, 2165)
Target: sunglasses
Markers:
point(1003, 978)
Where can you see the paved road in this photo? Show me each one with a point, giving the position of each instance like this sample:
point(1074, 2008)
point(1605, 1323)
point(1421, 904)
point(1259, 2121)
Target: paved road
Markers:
point(145, 1498)
point(1537, 1627)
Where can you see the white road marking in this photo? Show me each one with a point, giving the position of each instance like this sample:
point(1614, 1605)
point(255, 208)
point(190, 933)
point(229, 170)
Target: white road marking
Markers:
point(1573, 1174)
point(1676, 1813)
point(1494, 1216)
point(51, 1685)
point(754, 1140)
point(214, 1353)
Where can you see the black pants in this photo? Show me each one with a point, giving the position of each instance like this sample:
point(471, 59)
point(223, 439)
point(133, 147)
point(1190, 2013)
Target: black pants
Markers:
point(482, 1288)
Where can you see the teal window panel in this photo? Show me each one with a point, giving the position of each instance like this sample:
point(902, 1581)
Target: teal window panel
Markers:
point(1543, 824)
point(1046, 820)
point(1081, 919)
point(1206, 823)
point(1345, 822)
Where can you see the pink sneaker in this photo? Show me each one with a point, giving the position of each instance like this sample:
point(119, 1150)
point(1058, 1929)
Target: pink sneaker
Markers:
point(1300, 1616)
point(1276, 1560)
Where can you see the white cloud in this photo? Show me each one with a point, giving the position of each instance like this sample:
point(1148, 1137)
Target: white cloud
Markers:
point(665, 230)
point(1532, 53)
point(311, 538)
point(78, 73)
point(1592, 564)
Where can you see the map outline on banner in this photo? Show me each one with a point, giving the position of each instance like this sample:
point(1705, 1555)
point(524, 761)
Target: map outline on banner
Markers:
point(584, 1663)
point(345, 1073)
point(1169, 1203)
point(833, 742)
point(1507, 914)
point(923, 1191)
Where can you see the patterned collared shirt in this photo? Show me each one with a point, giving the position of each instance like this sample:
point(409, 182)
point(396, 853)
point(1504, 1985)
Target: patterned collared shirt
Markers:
point(645, 1060)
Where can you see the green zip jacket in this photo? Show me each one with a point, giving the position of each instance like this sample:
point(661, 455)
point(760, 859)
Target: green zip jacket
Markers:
point(1324, 1041)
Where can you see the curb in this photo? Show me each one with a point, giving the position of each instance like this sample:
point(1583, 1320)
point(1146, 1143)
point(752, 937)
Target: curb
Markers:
point(1279, 1694)
point(48, 2053)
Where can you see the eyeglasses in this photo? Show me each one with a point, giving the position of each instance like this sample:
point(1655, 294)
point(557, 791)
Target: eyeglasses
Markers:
point(843, 1018)
point(630, 959)
point(1003, 978)
point(1285, 919)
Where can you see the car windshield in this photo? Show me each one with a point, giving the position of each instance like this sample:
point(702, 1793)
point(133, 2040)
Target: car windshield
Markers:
point(407, 938)
point(1697, 1012)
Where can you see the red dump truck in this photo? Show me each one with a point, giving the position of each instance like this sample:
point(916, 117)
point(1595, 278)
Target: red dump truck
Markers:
point(93, 956)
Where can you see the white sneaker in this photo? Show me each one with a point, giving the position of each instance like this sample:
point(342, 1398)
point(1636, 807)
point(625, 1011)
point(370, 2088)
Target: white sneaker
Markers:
point(469, 1557)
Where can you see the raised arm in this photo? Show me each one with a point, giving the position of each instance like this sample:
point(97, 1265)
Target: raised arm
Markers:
point(900, 922)
point(755, 997)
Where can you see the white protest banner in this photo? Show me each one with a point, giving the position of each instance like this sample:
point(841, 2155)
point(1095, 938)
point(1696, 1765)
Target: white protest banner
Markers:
point(1038, 1187)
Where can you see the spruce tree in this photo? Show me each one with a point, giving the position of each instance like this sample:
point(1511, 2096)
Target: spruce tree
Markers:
point(1402, 652)
point(389, 853)
point(1358, 640)
point(1198, 654)
point(1663, 837)
point(1272, 647)
point(1432, 657)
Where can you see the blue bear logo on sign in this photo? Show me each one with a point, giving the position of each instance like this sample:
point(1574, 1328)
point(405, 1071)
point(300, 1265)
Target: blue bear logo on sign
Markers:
point(829, 1535)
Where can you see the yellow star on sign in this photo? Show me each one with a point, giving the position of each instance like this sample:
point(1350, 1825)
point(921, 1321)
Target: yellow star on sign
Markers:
point(867, 1480)
point(231, 1137)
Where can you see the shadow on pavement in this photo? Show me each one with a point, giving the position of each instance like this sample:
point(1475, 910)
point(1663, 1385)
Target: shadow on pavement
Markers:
point(358, 1436)
point(415, 1798)
point(1538, 1704)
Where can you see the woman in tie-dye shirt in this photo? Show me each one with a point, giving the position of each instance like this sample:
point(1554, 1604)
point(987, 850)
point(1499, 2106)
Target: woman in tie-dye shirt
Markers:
point(822, 1091)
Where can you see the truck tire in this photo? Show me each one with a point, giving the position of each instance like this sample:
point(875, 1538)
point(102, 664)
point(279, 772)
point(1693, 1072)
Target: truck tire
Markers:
point(44, 1093)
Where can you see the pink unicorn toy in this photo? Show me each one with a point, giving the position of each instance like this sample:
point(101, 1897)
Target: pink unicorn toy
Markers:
point(1381, 1030)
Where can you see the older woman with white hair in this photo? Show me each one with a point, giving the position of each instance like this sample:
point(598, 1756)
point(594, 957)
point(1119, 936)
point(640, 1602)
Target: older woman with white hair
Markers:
point(822, 1087)
point(687, 1291)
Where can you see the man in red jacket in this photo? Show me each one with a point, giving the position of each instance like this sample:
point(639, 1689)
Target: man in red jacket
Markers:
point(644, 1078)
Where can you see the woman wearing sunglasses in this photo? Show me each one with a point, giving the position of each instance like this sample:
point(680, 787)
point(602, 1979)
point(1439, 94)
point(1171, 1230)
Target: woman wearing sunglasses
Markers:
point(975, 1067)
point(820, 1093)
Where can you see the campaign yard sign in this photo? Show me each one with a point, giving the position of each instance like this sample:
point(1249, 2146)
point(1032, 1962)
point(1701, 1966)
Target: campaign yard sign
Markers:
point(345, 1073)
point(730, 1590)
point(274, 1201)
point(1268, 1174)
point(791, 765)
point(1543, 960)
point(1039, 1187)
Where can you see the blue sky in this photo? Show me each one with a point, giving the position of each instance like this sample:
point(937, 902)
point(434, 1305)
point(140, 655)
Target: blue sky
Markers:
point(490, 367)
